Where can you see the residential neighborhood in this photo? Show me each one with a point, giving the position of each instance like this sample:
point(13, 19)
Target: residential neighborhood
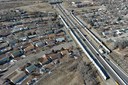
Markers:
point(63, 42)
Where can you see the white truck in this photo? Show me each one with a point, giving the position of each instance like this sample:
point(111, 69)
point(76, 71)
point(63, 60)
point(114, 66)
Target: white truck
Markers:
point(101, 51)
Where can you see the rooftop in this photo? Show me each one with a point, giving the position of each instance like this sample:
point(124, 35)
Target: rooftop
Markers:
point(31, 68)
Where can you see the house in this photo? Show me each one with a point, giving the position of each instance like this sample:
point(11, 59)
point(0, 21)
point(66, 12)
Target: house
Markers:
point(47, 18)
point(55, 1)
point(17, 53)
point(39, 44)
point(29, 48)
point(48, 66)
point(60, 34)
point(32, 36)
point(4, 50)
point(35, 39)
point(25, 44)
point(15, 30)
point(44, 60)
point(30, 68)
point(27, 80)
point(82, 4)
point(18, 28)
point(51, 36)
point(13, 42)
point(105, 33)
point(61, 39)
point(118, 32)
point(17, 77)
point(3, 45)
point(55, 56)
point(32, 81)
point(76, 3)
point(50, 42)
point(64, 52)
point(23, 39)
point(5, 60)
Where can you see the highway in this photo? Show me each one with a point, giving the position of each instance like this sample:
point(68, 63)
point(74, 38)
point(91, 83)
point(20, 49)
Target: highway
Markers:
point(118, 71)
point(85, 48)
point(102, 60)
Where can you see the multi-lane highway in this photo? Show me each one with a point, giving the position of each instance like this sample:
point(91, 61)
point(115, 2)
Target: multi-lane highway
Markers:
point(101, 61)
point(118, 72)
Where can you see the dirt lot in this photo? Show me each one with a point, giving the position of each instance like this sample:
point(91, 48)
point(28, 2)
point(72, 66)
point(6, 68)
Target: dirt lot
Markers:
point(121, 57)
point(63, 76)
point(72, 72)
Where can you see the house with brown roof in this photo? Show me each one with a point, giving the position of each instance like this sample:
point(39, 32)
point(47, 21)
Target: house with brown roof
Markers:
point(64, 52)
point(35, 39)
point(44, 60)
point(50, 42)
point(60, 34)
point(51, 36)
point(29, 48)
point(49, 66)
point(55, 56)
